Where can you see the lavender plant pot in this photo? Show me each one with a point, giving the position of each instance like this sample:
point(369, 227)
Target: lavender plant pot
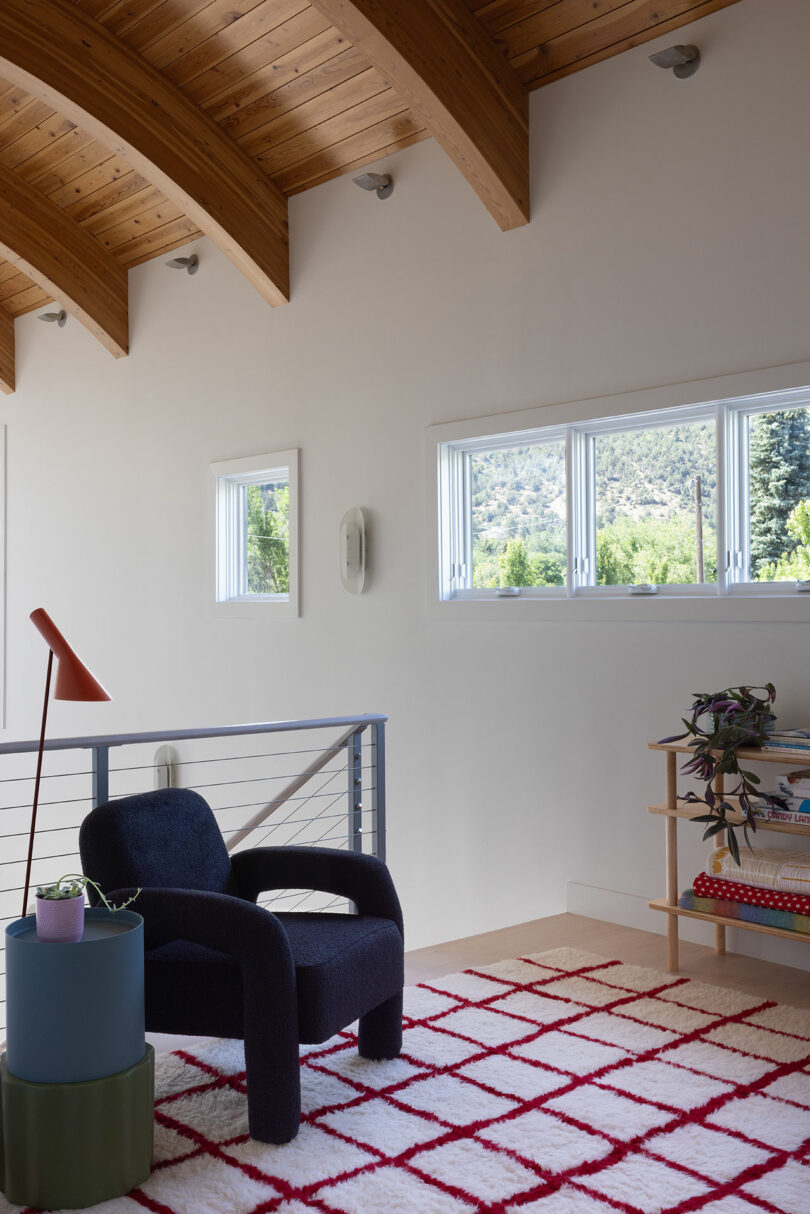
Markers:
point(60, 920)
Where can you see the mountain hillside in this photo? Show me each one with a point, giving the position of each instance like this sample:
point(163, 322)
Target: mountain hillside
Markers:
point(642, 477)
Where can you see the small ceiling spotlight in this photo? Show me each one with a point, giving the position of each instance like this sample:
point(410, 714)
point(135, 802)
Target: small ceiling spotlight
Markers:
point(190, 264)
point(55, 318)
point(684, 60)
point(381, 183)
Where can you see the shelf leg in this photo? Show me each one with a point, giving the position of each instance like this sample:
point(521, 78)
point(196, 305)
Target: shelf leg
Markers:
point(672, 943)
point(672, 863)
point(720, 840)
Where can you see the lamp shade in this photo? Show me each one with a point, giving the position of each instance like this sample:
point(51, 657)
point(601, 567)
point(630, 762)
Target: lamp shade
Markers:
point(73, 680)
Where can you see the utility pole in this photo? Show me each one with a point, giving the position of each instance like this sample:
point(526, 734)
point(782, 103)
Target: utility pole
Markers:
point(699, 531)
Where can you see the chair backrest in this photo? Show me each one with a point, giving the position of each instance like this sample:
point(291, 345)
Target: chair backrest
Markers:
point(167, 839)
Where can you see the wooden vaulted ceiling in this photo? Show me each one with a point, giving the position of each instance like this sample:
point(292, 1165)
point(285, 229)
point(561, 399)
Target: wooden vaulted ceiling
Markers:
point(128, 127)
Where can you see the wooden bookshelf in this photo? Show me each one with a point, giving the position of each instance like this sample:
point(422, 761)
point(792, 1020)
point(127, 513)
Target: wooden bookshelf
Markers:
point(751, 754)
point(674, 809)
point(660, 904)
point(689, 812)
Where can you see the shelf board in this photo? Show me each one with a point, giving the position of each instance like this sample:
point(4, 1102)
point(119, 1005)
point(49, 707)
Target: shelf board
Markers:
point(689, 812)
point(753, 754)
point(661, 904)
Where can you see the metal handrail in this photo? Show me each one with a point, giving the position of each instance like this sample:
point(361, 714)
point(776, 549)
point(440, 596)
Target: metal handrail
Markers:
point(351, 727)
point(317, 765)
point(179, 735)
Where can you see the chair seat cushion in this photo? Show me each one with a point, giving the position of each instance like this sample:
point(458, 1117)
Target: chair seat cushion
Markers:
point(345, 965)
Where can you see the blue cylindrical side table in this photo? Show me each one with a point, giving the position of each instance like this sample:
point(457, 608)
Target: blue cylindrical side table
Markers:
point(75, 1011)
point(77, 1082)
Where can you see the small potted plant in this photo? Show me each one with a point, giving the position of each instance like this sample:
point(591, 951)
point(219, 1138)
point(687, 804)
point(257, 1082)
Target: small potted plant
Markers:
point(60, 908)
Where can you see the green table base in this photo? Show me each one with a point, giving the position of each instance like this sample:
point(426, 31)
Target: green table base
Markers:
point(69, 1145)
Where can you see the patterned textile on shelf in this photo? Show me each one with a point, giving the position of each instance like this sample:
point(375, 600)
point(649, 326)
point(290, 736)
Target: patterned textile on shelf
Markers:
point(784, 870)
point(751, 895)
point(767, 916)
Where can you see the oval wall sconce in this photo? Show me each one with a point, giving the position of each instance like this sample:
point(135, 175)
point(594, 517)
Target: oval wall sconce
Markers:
point(353, 550)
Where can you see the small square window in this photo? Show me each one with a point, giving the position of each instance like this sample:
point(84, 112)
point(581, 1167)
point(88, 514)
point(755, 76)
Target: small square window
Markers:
point(257, 531)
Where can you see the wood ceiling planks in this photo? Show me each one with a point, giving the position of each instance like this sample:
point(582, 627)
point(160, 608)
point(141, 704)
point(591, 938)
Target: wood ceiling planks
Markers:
point(63, 259)
point(442, 63)
point(586, 31)
point(278, 78)
point(65, 58)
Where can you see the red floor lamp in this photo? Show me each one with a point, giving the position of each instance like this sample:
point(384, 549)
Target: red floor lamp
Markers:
point(73, 682)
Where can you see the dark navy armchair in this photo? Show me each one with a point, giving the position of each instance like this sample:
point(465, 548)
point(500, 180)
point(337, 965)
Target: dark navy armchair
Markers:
point(219, 965)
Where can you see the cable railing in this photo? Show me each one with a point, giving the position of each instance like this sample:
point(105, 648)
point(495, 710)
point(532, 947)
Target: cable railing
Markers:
point(318, 782)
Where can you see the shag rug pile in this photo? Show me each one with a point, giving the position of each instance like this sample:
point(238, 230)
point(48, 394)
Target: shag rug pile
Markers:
point(559, 1083)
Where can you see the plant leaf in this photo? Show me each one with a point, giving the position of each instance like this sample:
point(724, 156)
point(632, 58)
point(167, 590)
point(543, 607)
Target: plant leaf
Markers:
point(733, 847)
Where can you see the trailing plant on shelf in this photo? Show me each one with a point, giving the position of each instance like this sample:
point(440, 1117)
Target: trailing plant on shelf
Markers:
point(74, 884)
point(722, 723)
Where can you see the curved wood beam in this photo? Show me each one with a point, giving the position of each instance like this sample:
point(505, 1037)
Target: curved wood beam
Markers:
point(62, 258)
point(444, 64)
point(6, 352)
point(57, 53)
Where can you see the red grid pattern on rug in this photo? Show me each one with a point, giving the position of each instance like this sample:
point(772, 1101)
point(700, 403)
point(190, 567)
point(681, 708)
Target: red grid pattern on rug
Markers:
point(558, 1084)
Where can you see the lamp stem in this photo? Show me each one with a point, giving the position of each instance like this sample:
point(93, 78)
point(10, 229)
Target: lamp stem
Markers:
point(36, 781)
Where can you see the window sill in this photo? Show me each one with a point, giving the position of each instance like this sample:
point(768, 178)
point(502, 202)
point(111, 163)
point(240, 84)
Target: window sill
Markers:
point(269, 608)
point(653, 608)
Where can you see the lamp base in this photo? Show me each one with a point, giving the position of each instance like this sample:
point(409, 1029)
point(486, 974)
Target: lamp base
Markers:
point(71, 1145)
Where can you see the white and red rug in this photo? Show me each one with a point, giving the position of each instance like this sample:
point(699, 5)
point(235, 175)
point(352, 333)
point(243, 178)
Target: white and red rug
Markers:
point(553, 1084)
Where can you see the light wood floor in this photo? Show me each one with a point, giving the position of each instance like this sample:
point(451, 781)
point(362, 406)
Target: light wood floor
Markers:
point(609, 940)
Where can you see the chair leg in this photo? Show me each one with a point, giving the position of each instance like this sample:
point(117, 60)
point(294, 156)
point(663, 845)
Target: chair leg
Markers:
point(273, 1087)
point(380, 1033)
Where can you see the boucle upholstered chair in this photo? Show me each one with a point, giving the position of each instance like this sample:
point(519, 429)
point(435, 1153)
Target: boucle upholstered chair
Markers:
point(219, 965)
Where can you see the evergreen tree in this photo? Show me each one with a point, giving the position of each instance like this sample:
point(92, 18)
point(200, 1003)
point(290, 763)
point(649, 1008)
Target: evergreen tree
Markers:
point(780, 479)
point(794, 564)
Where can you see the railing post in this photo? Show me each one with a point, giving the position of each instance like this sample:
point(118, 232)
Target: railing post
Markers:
point(101, 775)
point(378, 788)
point(354, 752)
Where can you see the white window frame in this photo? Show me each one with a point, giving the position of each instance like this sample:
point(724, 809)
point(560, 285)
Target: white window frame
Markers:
point(229, 571)
point(456, 535)
point(449, 449)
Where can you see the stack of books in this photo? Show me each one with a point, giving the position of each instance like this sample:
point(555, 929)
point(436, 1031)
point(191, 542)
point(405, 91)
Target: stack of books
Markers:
point(787, 739)
point(794, 789)
point(792, 816)
point(767, 887)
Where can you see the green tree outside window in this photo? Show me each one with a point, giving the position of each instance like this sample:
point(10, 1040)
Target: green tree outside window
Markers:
point(268, 539)
point(779, 463)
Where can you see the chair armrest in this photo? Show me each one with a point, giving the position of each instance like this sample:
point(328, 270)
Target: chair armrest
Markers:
point(256, 940)
point(365, 880)
point(248, 933)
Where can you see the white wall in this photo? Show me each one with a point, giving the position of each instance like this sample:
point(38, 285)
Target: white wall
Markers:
point(669, 242)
